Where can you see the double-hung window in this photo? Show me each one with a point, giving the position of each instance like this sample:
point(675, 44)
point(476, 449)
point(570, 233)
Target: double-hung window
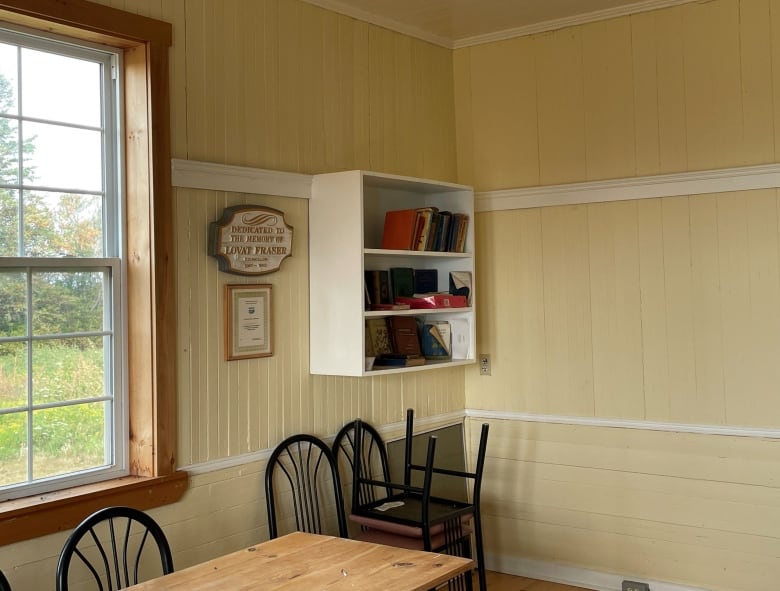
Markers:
point(63, 394)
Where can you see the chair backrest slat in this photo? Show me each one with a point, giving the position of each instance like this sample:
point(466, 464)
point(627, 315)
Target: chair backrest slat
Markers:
point(111, 567)
point(373, 458)
point(303, 466)
point(4, 584)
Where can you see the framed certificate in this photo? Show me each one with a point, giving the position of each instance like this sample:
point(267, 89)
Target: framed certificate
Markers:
point(247, 322)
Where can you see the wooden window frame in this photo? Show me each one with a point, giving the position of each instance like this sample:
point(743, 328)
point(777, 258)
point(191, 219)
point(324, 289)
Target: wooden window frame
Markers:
point(151, 346)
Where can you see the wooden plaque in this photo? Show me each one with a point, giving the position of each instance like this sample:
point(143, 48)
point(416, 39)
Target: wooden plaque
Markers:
point(250, 240)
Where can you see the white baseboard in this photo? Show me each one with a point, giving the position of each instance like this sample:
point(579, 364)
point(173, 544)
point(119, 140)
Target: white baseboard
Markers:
point(569, 575)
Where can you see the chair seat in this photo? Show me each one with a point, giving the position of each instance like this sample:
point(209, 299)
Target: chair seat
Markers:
point(398, 524)
point(383, 536)
point(407, 509)
point(400, 529)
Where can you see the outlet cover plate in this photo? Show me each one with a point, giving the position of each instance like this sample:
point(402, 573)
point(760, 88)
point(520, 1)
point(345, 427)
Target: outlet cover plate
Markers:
point(484, 364)
point(635, 586)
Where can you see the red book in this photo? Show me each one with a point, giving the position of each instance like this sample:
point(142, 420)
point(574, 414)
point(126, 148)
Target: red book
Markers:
point(434, 300)
point(399, 229)
point(403, 335)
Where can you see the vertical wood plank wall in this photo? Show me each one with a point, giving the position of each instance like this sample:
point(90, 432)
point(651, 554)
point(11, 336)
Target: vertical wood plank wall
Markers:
point(283, 85)
point(662, 310)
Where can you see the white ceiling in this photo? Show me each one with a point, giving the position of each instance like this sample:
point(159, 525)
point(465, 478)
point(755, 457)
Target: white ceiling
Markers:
point(459, 23)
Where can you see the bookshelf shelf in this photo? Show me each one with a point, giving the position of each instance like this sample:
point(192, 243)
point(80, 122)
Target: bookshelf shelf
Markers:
point(418, 312)
point(346, 222)
point(428, 254)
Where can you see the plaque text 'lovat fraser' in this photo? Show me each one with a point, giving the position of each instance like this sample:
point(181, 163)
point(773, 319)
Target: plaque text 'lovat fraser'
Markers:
point(250, 240)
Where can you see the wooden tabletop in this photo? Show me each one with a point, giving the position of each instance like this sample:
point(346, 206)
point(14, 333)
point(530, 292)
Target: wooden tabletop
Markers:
point(309, 562)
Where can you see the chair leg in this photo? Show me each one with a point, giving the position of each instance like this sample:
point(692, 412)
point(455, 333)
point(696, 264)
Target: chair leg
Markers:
point(481, 572)
point(462, 582)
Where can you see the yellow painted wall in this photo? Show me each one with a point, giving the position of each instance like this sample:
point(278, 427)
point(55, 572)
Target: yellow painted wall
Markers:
point(283, 85)
point(661, 310)
point(673, 90)
point(603, 311)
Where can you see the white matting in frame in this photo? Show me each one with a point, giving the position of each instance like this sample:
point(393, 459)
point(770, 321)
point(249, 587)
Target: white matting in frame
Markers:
point(247, 321)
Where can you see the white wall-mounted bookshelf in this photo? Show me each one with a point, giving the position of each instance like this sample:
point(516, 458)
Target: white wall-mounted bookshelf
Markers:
point(346, 221)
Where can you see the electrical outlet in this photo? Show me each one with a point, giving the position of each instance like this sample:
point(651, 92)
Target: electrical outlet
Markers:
point(484, 365)
point(634, 586)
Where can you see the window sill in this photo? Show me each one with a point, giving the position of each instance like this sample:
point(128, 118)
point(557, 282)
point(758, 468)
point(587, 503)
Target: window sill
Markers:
point(32, 517)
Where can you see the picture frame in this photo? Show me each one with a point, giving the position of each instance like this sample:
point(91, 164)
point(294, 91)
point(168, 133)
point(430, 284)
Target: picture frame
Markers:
point(247, 317)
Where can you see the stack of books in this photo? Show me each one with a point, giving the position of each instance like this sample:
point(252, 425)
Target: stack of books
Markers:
point(394, 341)
point(402, 288)
point(425, 228)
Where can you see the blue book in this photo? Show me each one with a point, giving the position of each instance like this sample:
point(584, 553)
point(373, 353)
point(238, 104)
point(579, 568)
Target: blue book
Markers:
point(443, 231)
point(436, 340)
point(426, 280)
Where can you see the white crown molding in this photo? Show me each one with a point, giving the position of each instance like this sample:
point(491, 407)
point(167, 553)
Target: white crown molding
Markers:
point(571, 21)
point(542, 27)
point(569, 575)
point(723, 430)
point(724, 180)
point(239, 179)
point(381, 21)
point(223, 177)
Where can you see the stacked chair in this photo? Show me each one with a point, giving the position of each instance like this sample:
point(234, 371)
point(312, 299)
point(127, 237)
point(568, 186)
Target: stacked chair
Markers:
point(407, 514)
point(374, 461)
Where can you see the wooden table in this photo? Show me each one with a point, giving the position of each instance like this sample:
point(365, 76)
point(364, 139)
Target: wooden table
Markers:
point(309, 562)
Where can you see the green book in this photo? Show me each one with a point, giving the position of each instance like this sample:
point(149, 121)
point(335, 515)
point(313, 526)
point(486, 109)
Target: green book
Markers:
point(402, 280)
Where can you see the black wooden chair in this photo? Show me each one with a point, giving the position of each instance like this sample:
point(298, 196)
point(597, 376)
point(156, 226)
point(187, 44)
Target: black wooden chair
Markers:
point(302, 468)
point(412, 517)
point(374, 462)
point(111, 545)
point(4, 584)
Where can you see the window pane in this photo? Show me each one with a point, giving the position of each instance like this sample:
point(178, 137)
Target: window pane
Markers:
point(58, 136)
point(78, 81)
point(63, 224)
point(9, 223)
point(67, 302)
point(64, 157)
point(9, 151)
point(13, 448)
point(8, 80)
point(68, 439)
point(13, 305)
point(13, 376)
point(67, 369)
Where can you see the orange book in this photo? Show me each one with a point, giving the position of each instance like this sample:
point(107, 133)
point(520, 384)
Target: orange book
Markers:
point(399, 229)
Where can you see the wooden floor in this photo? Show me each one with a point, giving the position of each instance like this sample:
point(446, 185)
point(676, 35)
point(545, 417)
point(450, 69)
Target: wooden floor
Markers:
point(501, 582)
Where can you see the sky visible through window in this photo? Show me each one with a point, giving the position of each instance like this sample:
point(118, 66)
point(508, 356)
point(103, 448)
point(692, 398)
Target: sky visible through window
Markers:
point(56, 90)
